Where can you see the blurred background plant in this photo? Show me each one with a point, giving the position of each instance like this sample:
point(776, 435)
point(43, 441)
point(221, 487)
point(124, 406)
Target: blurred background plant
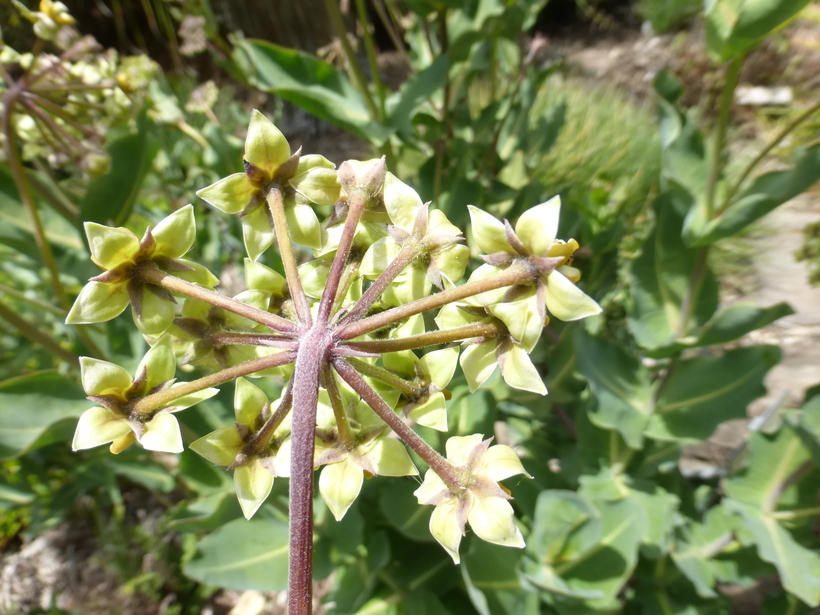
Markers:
point(471, 105)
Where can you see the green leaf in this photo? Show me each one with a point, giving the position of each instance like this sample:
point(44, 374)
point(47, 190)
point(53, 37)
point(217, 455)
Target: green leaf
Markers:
point(150, 475)
point(242, 555)
point(697, 543)
point(608, 565)
point(414, 92)
point(764, 194)
point(661, 509)
point(703, 392)
point(737, 320)
point(773, 461)
point(734, 27)
point(659, 278)
point(799, 567)
point(620, 385)
point(314, 85)
point(490, 574)
point(110, 197)
point(36, 410)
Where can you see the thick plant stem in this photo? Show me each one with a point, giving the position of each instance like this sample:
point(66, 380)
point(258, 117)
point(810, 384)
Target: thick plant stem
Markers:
point(276, 205)
point(354, 214)
point(408, 252)
point(312, 356)
point(34, 334)
point(446, 471)
point(520, 272)
point(145, 406)
point(147, 272)
point(432, 338)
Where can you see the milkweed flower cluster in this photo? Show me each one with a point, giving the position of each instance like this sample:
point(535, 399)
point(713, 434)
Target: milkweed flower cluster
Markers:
point(343, 328)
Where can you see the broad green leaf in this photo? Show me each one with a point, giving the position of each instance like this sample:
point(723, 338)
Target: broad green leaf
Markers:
point(147, 474)
point(799, 567)
point(414, 92)
point(661, 508)
point(806, 424)
point(620, 385)
point(402, 510)
point(609, 564)
point(773, 460)
point(697, 543)
point(659, 279)
point(110, 197)
point(734, 27)
point(764, 194)
point(244, 555)
point(16, 228)
point(354, 582)
point(490, 574)
point(307, 82)
point(36, 410)
point(566, 526)
point(703, 392)
point(737, 320)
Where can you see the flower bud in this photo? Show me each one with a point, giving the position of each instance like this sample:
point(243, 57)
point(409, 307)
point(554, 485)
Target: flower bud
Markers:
point(96, 163)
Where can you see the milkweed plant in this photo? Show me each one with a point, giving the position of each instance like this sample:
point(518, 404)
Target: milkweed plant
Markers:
point(345, 330)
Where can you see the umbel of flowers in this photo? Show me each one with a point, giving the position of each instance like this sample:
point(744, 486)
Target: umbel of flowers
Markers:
point(344, 329)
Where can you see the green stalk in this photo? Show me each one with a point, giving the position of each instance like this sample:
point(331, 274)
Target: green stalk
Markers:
point(146, 406)
point(716, 163)
point(18, 174)
point(432, 338)
point(520, 272)
point(356, 70)
point(765, 151)
point(370, 50)
point(386, 376)
point(32, 333)
point(147, 272)
point(276, 205)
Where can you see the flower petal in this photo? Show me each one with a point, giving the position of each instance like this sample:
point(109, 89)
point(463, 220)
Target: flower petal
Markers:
point(445, 529)
point(220, 447)
point(162, 434)
point(499, 462)
point(157, 314)
point(159, 364)
point(248, 401)
point(231, 194)
point(303, 225)
point(492, 519)
point(460, 448)
point(488, 232)
point(317, 180)
point(401, 201)
point(519, 372)
point(522, 319)
point(110, 247)
point(538, 226)
point(260, 277)
point(176, 233)
point(98, 426)
point(103, 378)
point(440, 365)
point(265, 145)
point(478, 362)
point(432, 489)
point(253, 483)
point(340, 484)
point(566, 301)
point(257, 232)
point(390, 458)
point(98, 302)
point(431, 413)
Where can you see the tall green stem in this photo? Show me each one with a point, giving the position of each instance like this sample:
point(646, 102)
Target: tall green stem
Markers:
point(719, 139)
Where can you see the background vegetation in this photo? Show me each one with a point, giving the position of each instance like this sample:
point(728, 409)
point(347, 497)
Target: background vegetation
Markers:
point(471, 106)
